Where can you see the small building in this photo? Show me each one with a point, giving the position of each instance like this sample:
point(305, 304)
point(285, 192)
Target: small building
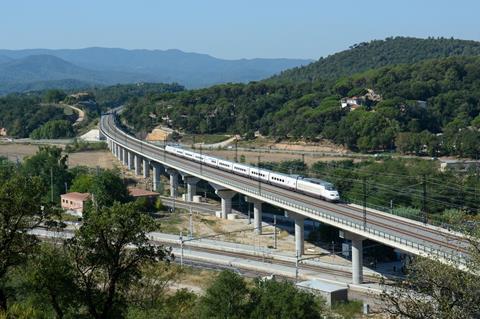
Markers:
point(143, 193)
point(3, 131)
point(458, 165)
point(352, 102)
point(74, 202)
point(332, 293)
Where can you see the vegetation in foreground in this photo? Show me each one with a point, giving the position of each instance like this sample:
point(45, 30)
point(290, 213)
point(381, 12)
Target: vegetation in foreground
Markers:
point(97, 273)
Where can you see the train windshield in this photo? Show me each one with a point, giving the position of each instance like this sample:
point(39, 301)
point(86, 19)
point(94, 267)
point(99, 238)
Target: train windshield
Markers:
point(329, 187)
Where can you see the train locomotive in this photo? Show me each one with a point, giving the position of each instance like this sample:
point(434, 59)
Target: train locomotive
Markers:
point(310, 186)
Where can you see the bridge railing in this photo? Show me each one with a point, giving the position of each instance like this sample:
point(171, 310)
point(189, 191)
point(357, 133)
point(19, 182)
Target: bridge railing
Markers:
point(428, 250)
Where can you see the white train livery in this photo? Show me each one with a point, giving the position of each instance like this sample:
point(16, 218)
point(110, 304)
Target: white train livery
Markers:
point(309, 186)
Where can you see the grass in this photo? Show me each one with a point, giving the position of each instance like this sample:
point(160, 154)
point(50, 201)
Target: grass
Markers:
point(203, 138)
point(171, 223)
point(349, 309)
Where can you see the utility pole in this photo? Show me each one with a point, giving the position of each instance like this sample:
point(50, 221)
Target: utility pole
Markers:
point(424, 201)
point(259, 177)
point(181, 249)
point(296, 266)
point(191, 223)
point(236, 151)
point(275, 231)
point(249, 216)
point(51, 184)
point(201, 162)
point(364, 202)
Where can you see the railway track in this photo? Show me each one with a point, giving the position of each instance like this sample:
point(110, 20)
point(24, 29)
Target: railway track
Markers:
point(422, 234)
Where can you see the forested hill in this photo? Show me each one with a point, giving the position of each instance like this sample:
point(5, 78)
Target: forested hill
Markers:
point(434, 103)
point(378, 53)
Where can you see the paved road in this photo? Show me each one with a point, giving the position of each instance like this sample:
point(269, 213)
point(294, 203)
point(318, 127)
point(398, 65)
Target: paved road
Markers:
point(395, 231)
point(256, 261)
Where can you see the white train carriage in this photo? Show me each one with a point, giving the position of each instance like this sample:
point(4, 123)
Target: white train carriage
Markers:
point(282, 180)
point(259, 174)
point(212, 161)
point(189, 154)
point(310, 186)
point(171, 149)
point(318, 188)
point(225, 165)
point(198, 157)
point(241, 169)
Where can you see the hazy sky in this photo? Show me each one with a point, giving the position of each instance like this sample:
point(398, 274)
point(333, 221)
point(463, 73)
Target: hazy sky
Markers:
point(231, 29)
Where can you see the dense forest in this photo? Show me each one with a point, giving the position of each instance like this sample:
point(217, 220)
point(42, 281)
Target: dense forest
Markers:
point(37, 114)
point(431, 107)
point(22, 114)
point(378, 53)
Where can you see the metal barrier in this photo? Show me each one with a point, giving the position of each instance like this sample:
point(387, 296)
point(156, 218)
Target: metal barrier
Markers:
point(429, 250)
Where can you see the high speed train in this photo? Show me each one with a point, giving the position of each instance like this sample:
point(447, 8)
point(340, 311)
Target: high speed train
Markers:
point(311, 186)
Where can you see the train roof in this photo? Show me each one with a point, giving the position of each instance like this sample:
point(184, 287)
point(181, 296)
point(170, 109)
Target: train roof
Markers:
point(317, 181)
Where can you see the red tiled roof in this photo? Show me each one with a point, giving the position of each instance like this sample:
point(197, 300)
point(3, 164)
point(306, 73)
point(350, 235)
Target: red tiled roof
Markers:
point(76, 196)
point(137, 192)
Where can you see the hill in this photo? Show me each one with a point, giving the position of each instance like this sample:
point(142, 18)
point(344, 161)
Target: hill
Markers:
point(378, 53)
point(111, 66)
point(430, 107)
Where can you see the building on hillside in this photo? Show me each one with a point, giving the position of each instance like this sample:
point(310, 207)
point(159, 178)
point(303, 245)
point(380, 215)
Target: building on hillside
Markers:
point(354, 100)
point(142, 193)
point(3, 131)
point(458, 165)
point(74, 202)
point(422, 104)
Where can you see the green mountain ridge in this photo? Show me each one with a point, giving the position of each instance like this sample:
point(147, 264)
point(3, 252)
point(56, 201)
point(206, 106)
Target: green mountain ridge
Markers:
point(378, 53)
point(447, 122)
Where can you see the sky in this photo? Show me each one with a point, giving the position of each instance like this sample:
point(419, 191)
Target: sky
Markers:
point(231, 29)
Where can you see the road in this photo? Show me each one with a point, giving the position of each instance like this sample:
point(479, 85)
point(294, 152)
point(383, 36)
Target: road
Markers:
point(255, 260)
point(408, 235)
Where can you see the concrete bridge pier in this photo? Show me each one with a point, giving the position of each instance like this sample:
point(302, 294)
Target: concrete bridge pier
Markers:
point(157, 168)
point(146, 168)
point(124, 156)
point(130, 160)
point(226, 195)
point(138, 164)
point(257, 214)
point(117, 151)
point(299, 232)
point(191, 186)
point(357, 257)
point(173, 182)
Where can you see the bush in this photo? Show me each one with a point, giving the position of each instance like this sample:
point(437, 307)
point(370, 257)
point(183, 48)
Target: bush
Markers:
point(54, 129)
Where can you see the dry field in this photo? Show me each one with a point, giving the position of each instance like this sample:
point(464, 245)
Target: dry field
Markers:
point(103, 158)
point(252, 157)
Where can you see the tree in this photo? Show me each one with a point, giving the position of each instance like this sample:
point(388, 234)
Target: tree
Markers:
point(82, 183)
point(436, 290)
point(50, 165)
point(227, 297)
point(53, 96)
point(275, 299)
point(106, 186)
point(49, 278)
point(21, 209)
point(53, 129)
point(108, 253)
